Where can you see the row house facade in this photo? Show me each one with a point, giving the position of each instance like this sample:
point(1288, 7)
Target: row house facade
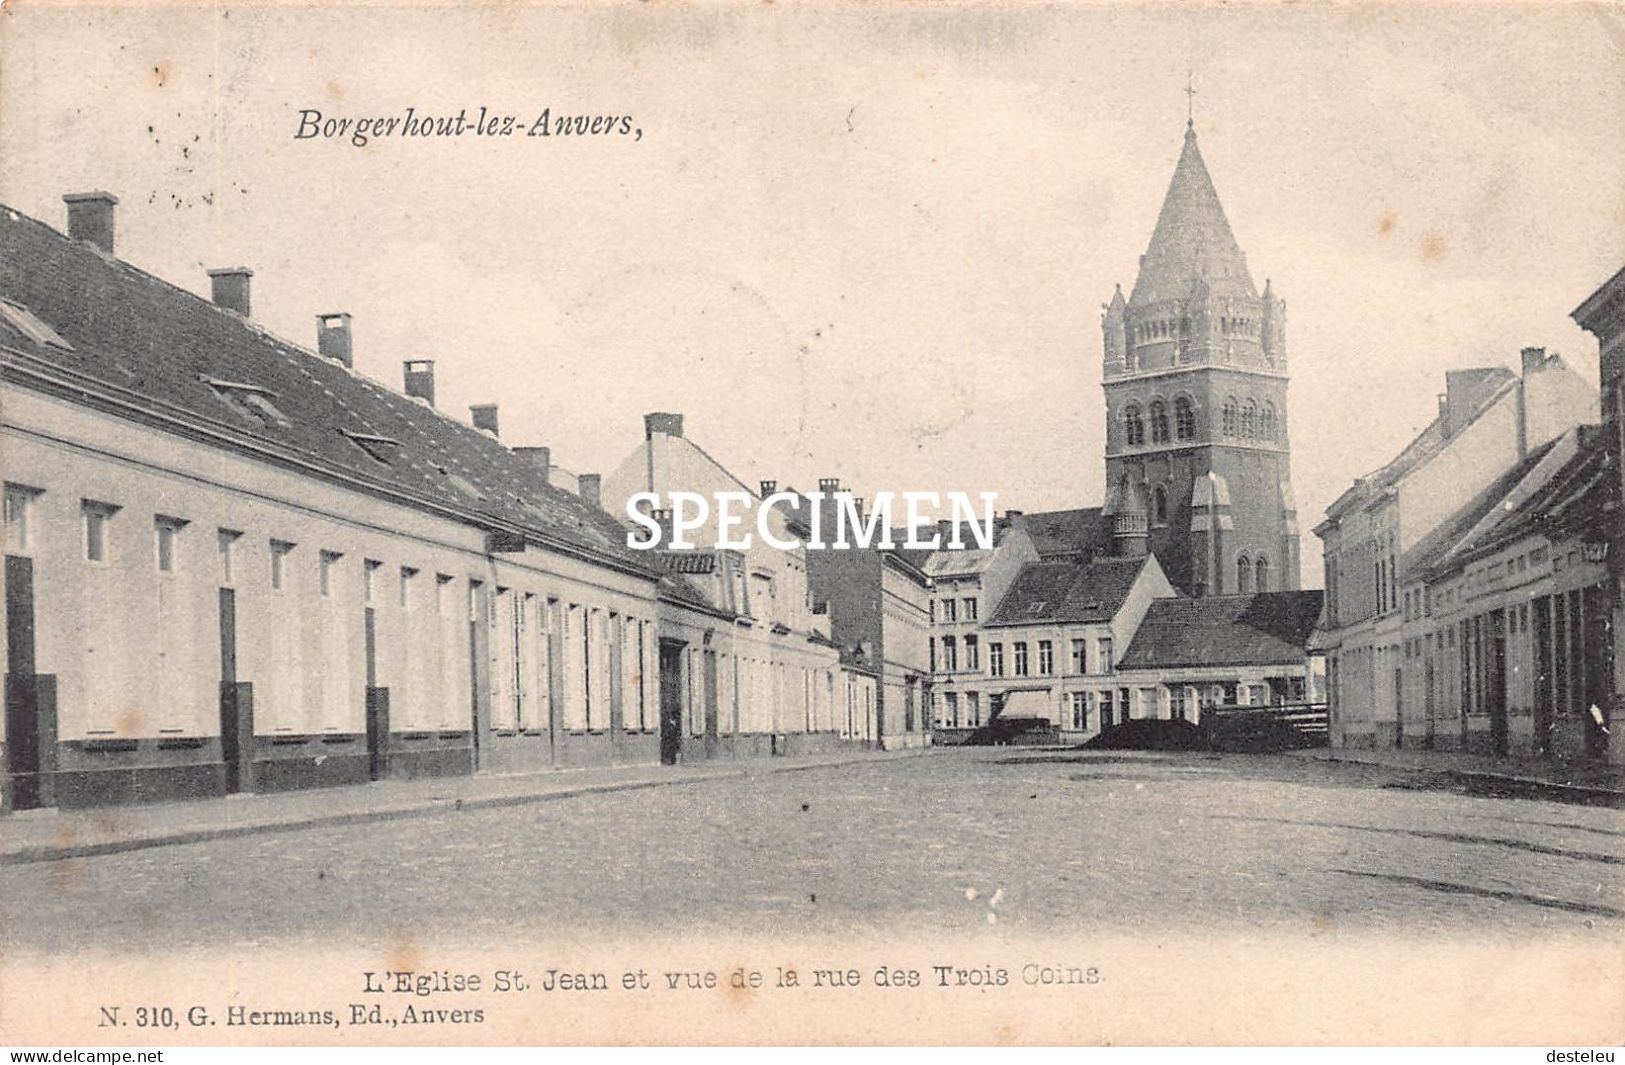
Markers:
point(877, 603)
point(1051, 647)
point(1505, 646)
point(1602, 314)
point(235, 564)
point(1381, 540)
point(969, 584)
point(773, 683)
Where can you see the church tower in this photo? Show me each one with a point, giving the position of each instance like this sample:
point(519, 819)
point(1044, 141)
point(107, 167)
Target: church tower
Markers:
point(1196, 404)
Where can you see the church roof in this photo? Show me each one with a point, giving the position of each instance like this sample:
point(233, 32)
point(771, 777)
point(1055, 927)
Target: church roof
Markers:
point(1192, 246)
point(1075, 534)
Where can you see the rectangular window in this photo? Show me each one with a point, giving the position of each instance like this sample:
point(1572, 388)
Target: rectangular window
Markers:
point(442, 593)
point(973, 709)
point(1178, 696)
point(950, 653)
point(166, 542)
point(407, 584)
point(369, 579)
point(950, 711)
point(968, 608)
point(948, 613)
point(226, 544)
point(1046, 658)
point(1021, 658)
point(280, 550)
point(1104, 663)
point(972, 653)
point(19, 518)
point(1080, 657)
point(1080, 711)
point(995, 659)
point(97, 517)
point(327, 575)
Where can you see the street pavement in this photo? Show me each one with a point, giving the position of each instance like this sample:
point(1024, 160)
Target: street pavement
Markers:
point(961, 841)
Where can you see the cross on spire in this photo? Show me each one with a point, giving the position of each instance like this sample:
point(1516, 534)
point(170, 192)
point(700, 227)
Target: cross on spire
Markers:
point(1190, 98)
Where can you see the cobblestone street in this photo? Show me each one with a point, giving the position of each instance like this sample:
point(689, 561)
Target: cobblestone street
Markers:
point(956, 841)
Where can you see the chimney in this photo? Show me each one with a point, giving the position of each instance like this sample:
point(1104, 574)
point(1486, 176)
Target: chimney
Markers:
point(90, 218)
point(541, 456)
point(229, 288)
point(662, 518)
point(484, 416)
point(591, 488)
point(333, 337)
point(768, 488)
point(661, 422)
point(420, 379)
point(1533, 359)
point(829, 485)
point(1015, 519)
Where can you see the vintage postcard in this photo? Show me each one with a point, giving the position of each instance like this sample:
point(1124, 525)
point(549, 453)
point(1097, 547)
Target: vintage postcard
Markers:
point(760, 523)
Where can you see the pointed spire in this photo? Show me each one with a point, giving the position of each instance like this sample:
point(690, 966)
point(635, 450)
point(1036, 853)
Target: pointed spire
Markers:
point(1192, 240)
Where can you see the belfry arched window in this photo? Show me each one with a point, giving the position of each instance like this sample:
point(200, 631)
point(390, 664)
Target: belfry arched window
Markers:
point(1266, 421)
point(1159, 505)
point(1159, 422)
point(1133, 425)
point(1231, 411)
point(1261, 574)
point(1184, 418)
point(1244, 574)
point(1249, 419)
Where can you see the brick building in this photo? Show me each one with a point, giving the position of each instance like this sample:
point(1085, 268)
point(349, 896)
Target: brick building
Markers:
point(1195, 377)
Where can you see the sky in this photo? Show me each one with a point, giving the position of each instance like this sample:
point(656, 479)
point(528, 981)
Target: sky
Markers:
point(869, 242)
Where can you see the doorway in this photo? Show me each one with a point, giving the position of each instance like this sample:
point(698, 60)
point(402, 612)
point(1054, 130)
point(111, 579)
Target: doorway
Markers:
point(671, 701)
point(236, 705)
point(377, 705)
point(30, 710)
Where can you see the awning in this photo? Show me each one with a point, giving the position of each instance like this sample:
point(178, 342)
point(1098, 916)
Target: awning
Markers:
point(1029, 704)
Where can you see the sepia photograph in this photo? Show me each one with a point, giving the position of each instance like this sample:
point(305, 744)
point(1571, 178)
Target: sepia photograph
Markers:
point(745, 523)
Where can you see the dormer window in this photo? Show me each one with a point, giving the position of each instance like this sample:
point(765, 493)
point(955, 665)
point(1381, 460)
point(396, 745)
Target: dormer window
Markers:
point(381, 449)
point(249, 402)
point(25, 322)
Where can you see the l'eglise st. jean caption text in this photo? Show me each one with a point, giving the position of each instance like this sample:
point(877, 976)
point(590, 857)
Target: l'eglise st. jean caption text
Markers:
point(479, 123)
point(391, 999)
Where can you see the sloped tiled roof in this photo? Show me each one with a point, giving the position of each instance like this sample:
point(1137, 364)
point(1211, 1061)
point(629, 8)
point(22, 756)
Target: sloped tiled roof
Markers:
point(1264, 629)
point(1192, 240)
point(1067, 532)
point(148, 350)
point(957, 563)
point(1046, 593)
